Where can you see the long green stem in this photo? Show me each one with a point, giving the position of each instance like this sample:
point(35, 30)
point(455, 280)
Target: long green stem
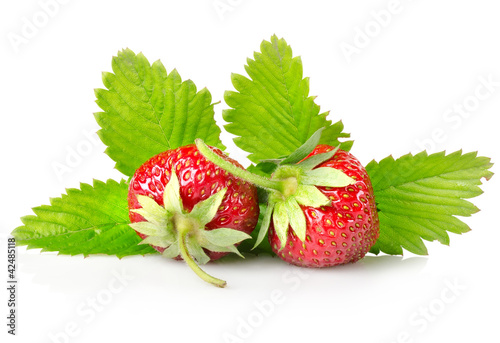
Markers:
point(236, 171)
point(192, 264)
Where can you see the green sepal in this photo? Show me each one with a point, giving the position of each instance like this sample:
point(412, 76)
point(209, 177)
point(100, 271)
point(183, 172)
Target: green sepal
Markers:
point(264, 227)
point(171, 196)
point(205, 210)
point(223, 240)
point(297, 218)
point(316, 160)
point(305, 149)
point(157, 241)
point(172, 251)
point(196, 251)
point(281, 222)
point(327, 177)
point(146, 228)
point(217, 248)
point(268, 166)
point(311, 196)
point(224, 236)
point(151, 211)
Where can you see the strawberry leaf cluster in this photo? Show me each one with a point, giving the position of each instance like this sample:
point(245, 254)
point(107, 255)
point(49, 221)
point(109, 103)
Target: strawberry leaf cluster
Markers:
point(147, 110)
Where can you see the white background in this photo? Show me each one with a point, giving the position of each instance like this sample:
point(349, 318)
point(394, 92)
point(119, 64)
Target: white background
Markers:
point(428, 57)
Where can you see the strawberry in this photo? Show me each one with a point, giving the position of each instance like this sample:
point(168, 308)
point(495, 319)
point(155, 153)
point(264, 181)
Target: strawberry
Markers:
point(339, 233)
point(320, 206)
point(188, 208)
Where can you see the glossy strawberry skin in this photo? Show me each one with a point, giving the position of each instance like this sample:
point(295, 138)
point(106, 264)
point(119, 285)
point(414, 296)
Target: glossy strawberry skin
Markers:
point(341, 233)
point(199, 179)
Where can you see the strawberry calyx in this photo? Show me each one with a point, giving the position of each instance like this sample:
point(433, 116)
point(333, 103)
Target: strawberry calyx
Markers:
point(293, 183)
point(184, 233)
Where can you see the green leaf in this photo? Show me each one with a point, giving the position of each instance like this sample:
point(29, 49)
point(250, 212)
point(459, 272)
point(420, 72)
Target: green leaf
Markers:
point(419, 196)
point(148, 111)
point(271, 111)
point(265, 169)
point(90, 220)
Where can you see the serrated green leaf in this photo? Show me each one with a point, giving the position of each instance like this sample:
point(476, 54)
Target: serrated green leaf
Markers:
point(419, 196)
point(90, 220)
point(271, 111)
point(148, 111)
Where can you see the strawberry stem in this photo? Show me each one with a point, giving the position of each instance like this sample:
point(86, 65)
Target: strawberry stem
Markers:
point(236, 171)
point(194, 267)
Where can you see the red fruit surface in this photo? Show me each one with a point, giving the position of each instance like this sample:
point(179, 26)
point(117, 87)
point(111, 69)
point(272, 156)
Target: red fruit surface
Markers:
point(341, 233)
point(199, 179)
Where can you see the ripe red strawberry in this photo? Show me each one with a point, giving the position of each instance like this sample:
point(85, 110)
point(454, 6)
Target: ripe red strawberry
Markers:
point(320, 204)
point(340, 233)
point(208, 210)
